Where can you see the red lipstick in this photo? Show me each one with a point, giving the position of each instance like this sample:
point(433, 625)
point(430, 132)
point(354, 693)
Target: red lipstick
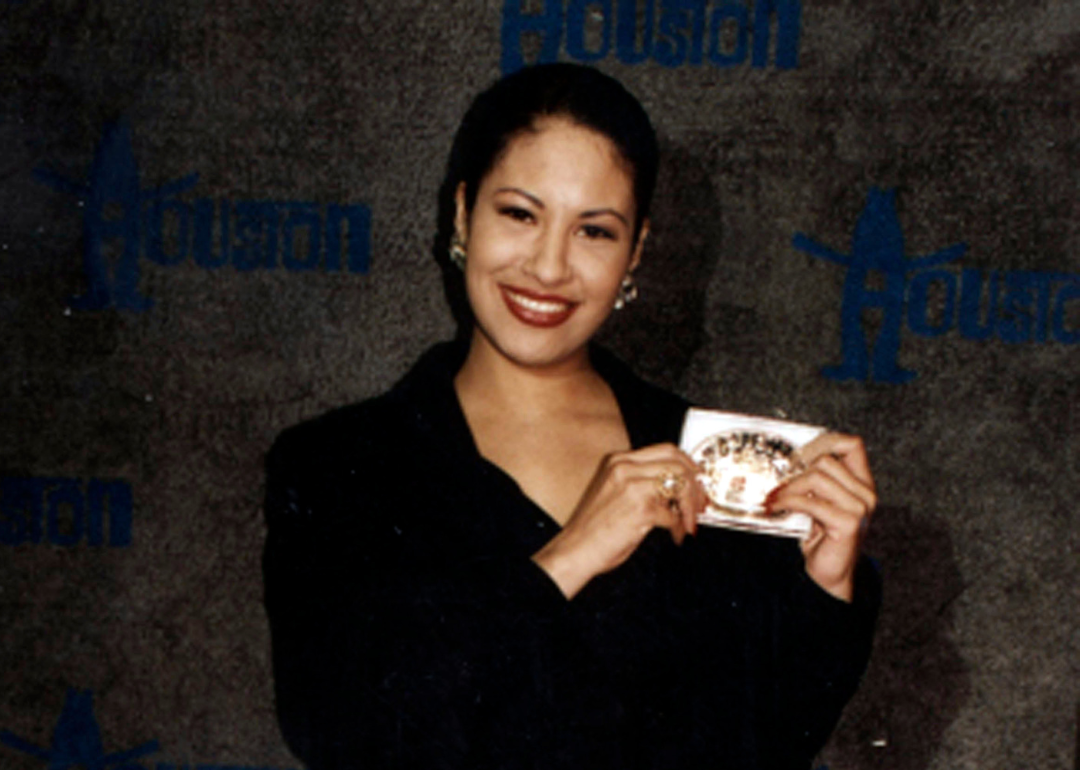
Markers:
point(534, 309)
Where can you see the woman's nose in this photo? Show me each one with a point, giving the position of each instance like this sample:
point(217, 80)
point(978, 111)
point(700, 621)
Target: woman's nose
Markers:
point(550, 263)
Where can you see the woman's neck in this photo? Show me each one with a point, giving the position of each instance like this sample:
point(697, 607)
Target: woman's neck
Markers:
point(489, 380)
point(548, 428)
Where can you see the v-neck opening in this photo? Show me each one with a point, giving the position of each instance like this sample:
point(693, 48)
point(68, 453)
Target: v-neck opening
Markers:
point(603, 370)
point(498, 470)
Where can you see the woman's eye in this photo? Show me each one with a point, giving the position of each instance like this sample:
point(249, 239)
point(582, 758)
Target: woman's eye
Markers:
point(595, 231)
point(516, 213)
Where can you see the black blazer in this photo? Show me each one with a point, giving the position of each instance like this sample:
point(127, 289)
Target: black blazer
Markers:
point(411, 629)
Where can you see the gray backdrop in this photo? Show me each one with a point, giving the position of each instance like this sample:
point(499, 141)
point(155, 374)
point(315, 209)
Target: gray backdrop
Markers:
point(218, 217)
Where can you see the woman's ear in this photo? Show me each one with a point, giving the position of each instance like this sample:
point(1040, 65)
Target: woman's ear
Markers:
point(635, 258)
point(461, 214)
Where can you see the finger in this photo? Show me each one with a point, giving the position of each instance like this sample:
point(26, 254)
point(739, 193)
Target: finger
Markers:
point(662, 453)
point(675, 512)
point(682, 476)
point(678, 526)
point(643, 486)
point(654, 452)
point(675, 509)
point(840, 473)
point(850, 450)
point(701, 500)
point(669, 516)
point(624, 469)
point(823, 487)
point(817, 533)
point(692, 498)
point(688, 505)
point(839, 512)
point(836, 523)
point(696, 506)
point(857, 521)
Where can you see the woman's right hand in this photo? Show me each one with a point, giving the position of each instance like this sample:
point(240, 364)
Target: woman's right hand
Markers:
point(624, 501)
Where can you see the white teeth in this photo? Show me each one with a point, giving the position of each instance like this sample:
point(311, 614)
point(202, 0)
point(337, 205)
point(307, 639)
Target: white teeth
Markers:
point(536, 305)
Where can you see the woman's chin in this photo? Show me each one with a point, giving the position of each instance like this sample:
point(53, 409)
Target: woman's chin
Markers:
point(536, 351)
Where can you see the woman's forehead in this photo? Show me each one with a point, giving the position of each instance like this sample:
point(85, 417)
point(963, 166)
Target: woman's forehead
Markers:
point(562, 128)
point(560, 151)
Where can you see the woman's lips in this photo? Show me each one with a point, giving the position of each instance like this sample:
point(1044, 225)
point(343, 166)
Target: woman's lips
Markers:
point(542, 310)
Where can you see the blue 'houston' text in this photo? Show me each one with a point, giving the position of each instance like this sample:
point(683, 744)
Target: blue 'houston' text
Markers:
point(65, 512)
point(1013, 306)
point(672, 33)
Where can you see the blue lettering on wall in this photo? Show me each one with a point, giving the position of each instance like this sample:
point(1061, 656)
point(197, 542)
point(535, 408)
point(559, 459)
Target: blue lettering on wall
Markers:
point(123, 222)
point(673, 33)
point(76, 743)
point(1013, 306)
point(76, 739)
point(65, 512)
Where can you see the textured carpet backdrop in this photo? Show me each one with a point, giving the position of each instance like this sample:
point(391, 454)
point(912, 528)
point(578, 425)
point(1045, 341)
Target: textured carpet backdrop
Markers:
point(217, 220)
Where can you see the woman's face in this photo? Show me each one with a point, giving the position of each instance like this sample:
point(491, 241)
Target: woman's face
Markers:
point(549, 240)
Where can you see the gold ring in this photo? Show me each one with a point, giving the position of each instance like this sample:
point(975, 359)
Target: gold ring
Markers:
point(670, 486)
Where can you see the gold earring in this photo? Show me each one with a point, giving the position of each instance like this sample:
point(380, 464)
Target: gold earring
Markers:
point(457, 252)
point(627, 292)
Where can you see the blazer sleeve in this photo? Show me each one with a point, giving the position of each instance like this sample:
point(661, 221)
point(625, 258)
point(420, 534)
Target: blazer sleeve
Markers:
point(387, 653)
point(773, 647)
point(822, 648)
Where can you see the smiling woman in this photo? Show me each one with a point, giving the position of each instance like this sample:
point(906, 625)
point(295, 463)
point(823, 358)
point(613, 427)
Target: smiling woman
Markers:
point(550, 239)
point(488, 566)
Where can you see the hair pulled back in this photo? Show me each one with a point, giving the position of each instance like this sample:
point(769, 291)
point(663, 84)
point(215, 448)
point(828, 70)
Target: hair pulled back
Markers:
point(517, 102)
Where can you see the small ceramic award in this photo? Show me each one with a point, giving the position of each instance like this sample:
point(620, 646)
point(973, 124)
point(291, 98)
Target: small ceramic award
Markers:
point(742, 458)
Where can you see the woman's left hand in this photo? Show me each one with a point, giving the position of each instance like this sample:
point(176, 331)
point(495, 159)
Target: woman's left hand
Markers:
point(837, 491)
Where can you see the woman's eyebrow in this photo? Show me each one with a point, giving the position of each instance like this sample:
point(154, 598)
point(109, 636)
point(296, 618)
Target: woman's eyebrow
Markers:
point(585, 214)
point(539, 203)
point(603, 212)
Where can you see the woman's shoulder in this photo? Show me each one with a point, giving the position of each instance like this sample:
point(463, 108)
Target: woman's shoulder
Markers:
point(309, 463)
point(338, 430)
point(374, 427)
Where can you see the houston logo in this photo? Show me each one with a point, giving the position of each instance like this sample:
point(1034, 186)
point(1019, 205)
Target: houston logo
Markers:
point(673, 33)
point(1014, 306)
point(124, 222)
